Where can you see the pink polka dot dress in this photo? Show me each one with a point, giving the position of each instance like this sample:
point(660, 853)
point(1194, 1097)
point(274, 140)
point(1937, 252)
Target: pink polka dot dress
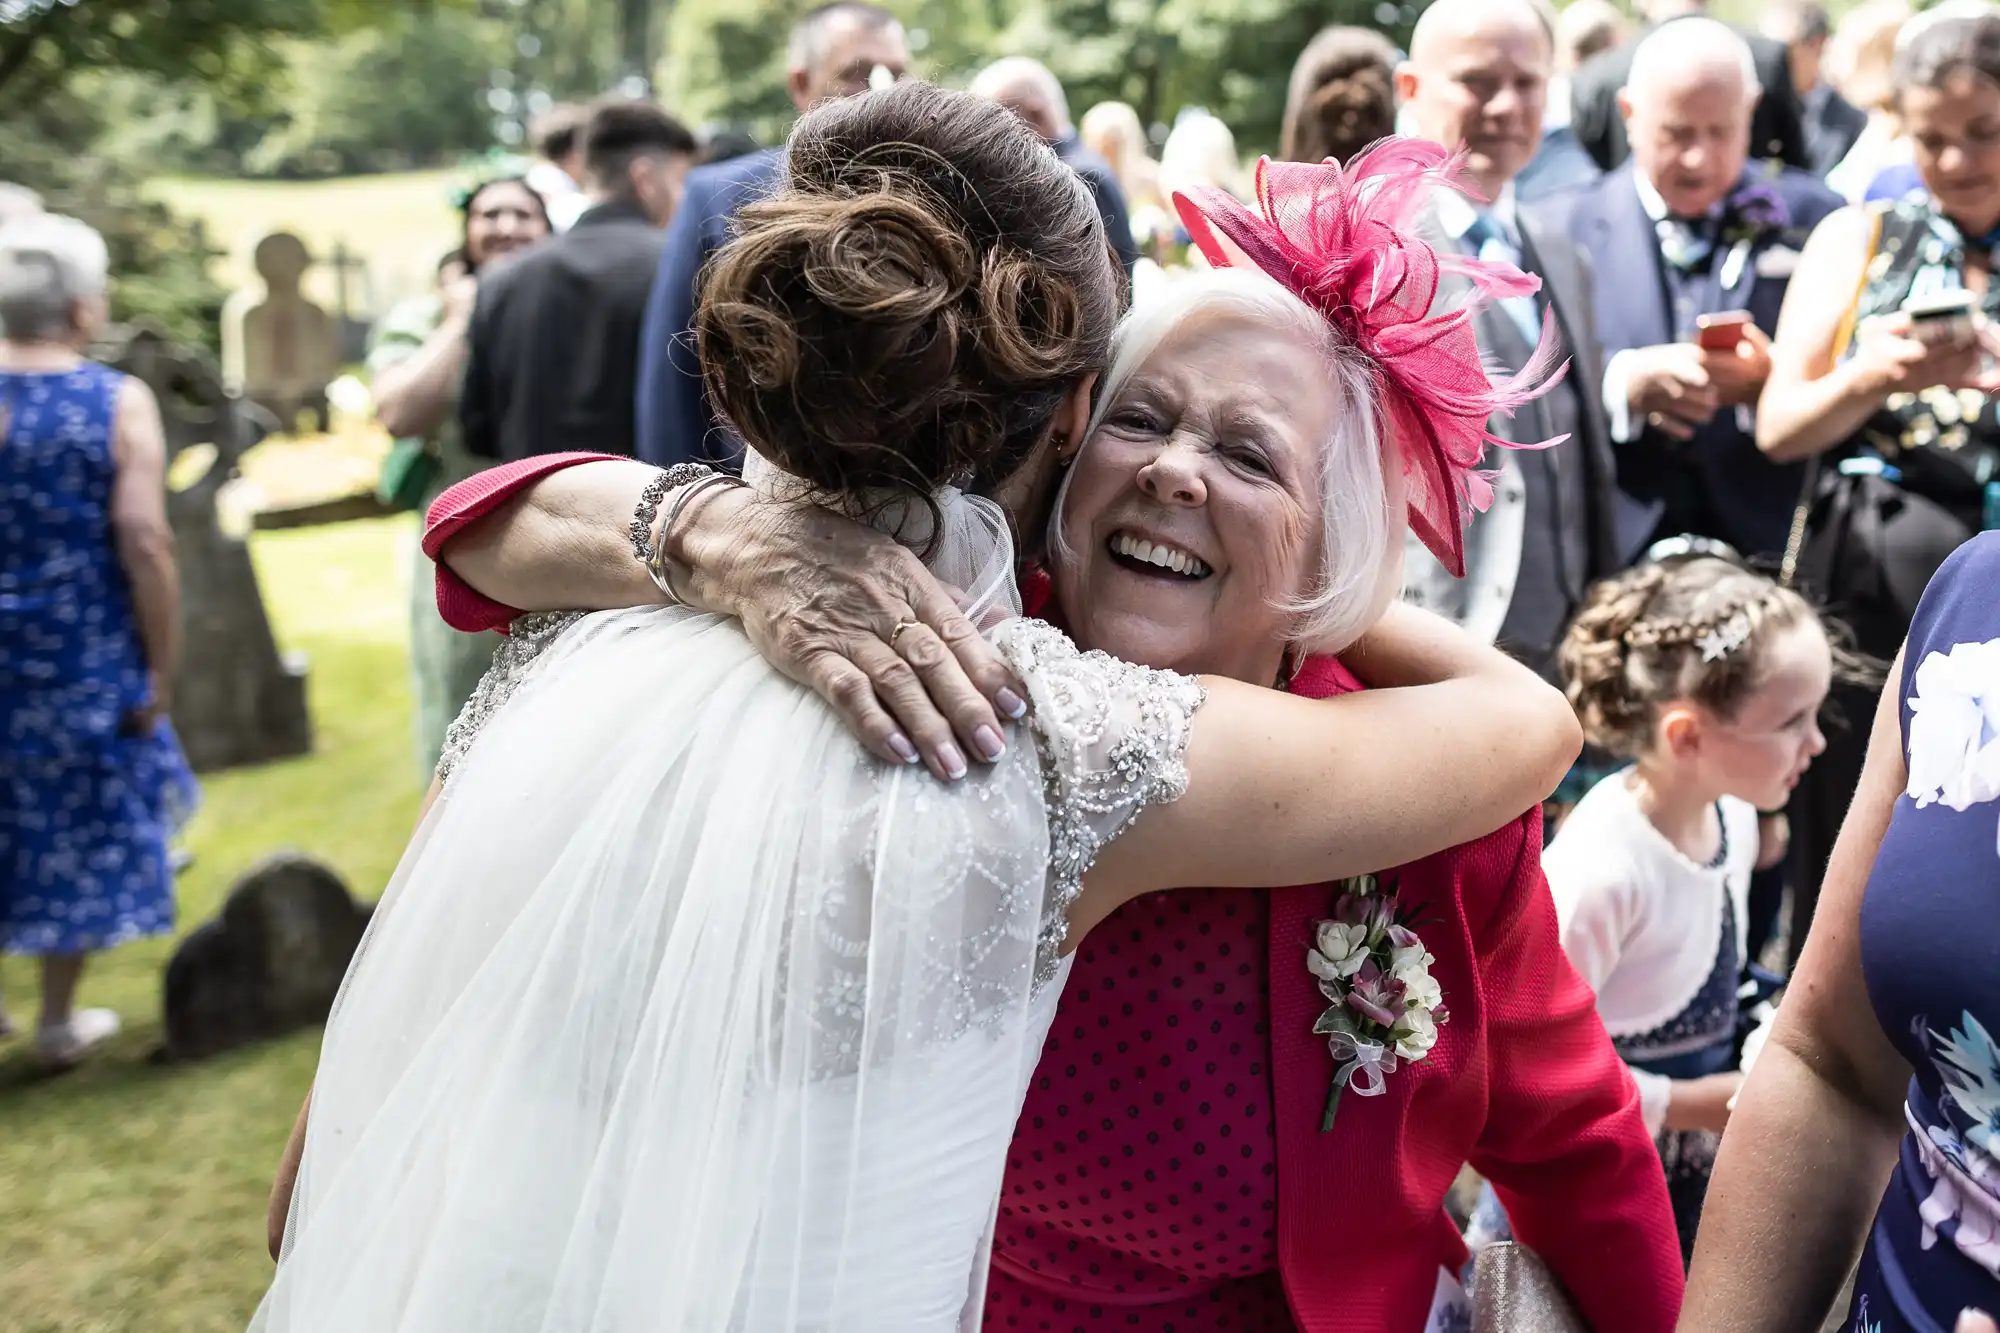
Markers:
point(1141, 1189)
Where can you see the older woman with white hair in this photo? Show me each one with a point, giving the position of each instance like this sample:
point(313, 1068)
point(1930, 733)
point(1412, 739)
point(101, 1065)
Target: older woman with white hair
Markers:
point(92, 780)
point(1202, 1131)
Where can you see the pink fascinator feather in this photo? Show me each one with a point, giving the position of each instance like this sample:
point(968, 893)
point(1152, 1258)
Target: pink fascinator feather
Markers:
point(1344, 240)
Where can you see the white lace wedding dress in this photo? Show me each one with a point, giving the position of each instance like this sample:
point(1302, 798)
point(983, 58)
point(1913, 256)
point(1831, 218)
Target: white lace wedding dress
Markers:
point(682, 1014)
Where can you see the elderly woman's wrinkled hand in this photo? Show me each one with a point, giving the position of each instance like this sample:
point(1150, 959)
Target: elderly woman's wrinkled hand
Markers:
point(856, 618)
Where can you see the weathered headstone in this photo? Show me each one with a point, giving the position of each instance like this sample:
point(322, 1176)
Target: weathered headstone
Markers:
point(282, 350)
point(350, 269)
point(270, 963)
point(239, 701)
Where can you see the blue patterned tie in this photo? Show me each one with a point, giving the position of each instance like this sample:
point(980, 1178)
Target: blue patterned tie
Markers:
point(1488, 240)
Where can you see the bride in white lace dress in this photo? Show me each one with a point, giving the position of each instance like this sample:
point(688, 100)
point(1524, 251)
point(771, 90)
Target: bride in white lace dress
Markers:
point(682, 1012)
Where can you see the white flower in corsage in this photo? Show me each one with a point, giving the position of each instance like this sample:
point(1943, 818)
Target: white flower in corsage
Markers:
point(1955, 727)
point(1386, 1005)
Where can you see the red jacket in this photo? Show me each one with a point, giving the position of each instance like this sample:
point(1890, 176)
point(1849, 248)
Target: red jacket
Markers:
point(1523, 1084)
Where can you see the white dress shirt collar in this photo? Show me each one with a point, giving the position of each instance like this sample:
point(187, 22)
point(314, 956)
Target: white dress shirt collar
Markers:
point(1456, 213)
point(1655, 206)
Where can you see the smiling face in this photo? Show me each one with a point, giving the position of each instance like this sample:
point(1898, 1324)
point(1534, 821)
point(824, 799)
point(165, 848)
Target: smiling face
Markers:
point(1955, 130)
point(1195, 508)
point(502, 218)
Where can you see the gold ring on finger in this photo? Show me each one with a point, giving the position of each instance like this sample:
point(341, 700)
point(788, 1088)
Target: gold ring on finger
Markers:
point(896, 633)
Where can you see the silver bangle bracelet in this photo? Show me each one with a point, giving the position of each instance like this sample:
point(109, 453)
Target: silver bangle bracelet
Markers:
point(658, 566)
point(641, 531)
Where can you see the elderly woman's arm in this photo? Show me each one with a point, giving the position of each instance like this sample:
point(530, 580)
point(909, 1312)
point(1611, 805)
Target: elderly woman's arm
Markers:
point(1813, 400)
point(822, 597)
point(144, 541)
point(1286, 790)
point(1814, 1135)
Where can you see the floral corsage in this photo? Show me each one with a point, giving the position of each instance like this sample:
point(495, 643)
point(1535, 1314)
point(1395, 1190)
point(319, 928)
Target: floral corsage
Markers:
point(1386, 1005)
point(1750, 214)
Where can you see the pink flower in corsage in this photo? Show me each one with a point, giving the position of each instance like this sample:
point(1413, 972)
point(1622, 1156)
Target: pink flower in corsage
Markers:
point(1386, 1005)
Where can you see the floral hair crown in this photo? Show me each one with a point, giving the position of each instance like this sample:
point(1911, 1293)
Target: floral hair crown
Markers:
point(1717, 634)
point(1344, 240)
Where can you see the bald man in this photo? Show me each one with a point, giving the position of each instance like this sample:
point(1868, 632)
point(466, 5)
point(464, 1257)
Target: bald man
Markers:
point(1030, 90)
point(1778, 128)
point(1478, 77)
point(1683, 230)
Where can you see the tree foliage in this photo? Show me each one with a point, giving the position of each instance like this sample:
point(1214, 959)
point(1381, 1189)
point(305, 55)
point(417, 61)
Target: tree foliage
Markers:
point(223, 44)
point(725, 58)
point(159, 262)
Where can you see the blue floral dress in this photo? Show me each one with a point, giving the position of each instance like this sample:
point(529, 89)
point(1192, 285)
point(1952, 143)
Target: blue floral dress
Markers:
point(86, 807)
point(1930, 954)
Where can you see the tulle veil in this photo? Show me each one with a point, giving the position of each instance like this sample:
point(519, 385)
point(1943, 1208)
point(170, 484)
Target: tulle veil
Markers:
point(681, 1013)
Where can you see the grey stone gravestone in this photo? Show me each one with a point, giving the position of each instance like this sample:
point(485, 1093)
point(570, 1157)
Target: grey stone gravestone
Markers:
point(270, 962)
point(239, 700)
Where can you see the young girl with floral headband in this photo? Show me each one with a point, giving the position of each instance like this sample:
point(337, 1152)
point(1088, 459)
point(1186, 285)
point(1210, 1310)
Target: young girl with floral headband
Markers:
point(1709, 679)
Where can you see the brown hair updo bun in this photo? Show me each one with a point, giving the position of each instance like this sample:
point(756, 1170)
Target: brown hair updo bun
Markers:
point(1342, 96)
point(913, 304)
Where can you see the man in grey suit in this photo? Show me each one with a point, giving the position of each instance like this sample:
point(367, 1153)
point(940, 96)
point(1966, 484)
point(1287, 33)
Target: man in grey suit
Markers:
point(1478, 76)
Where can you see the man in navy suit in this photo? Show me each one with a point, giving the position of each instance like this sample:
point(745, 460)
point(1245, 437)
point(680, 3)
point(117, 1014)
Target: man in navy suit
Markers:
point(836, 50)
point(1684, 229)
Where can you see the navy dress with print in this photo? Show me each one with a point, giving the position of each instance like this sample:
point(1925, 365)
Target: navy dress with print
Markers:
point(86, 805)
point(1930, 953)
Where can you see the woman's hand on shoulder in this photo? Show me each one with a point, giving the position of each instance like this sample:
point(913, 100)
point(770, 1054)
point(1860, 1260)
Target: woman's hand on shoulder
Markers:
point(857, 618)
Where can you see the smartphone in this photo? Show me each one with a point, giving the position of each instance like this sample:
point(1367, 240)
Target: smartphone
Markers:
point(1943, 318)
point(1721, 331)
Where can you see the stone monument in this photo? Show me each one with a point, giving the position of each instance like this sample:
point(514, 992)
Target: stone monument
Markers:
point(239, 701)
point(270, 963)
point(281, 350)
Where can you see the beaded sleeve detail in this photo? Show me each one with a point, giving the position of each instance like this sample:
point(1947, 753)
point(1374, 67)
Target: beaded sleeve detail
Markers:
point(1113, 740)
point(530, 636)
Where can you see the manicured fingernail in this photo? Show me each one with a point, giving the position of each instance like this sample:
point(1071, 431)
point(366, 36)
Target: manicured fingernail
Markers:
point(1012, 704)
point(989, 742)
point(901, 745)
point(953, 761)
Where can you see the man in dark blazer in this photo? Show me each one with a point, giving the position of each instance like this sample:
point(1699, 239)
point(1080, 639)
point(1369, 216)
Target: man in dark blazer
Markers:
point(1776, 133)
point(836, 50)
point(1477, 76)
point(1030, 90)
point(1682, 230)
point(554, 344)
point(1832, 122)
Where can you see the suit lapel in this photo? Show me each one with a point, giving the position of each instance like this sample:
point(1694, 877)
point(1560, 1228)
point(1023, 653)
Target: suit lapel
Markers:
point(1630, 256)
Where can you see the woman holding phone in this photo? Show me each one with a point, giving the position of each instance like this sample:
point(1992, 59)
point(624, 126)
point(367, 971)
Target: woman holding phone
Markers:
point(1882, 369)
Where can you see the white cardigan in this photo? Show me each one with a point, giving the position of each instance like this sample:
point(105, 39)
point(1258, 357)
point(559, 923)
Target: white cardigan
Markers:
point(1640, 920)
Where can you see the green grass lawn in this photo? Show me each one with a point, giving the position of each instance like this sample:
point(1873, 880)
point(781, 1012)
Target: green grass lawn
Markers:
point(132, 1195)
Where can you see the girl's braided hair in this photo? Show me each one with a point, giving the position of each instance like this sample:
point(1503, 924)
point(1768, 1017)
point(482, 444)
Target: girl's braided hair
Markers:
point(1696, 629)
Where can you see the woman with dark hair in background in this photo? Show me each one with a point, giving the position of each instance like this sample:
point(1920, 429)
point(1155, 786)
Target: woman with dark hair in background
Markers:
point(1342, 96)
point(1896, 407)
point(417, 365)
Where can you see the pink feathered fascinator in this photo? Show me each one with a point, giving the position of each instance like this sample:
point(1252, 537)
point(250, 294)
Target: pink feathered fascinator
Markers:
point(1344, 240)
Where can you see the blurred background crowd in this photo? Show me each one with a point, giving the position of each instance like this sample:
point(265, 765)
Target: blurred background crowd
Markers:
point(464, 233)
